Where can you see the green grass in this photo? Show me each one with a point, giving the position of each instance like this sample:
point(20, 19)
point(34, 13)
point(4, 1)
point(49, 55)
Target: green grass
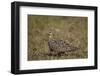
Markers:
point(70, 29)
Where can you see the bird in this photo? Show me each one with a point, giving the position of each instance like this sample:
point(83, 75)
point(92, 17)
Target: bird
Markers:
point(59, 47)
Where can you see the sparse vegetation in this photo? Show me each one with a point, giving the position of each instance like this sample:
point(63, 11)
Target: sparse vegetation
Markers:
point(70, 29)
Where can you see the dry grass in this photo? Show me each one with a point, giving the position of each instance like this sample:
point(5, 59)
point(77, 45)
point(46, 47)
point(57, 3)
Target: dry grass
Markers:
point(70, 29)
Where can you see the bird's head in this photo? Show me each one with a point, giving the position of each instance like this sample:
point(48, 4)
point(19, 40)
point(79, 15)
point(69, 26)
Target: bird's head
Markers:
point(50, 34)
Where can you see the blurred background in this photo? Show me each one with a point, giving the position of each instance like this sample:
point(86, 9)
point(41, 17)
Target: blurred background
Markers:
point(72, 30)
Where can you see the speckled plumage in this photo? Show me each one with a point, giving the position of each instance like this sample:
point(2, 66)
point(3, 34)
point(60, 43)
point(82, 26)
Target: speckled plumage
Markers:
point(60, 46)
